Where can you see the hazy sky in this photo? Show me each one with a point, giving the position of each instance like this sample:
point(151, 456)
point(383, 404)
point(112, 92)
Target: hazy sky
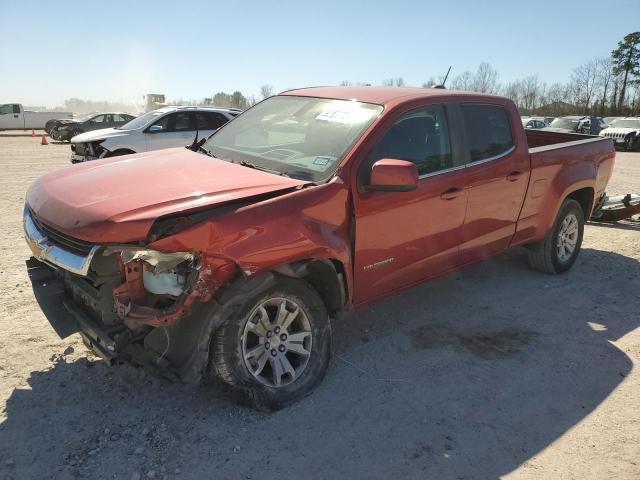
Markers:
point(119, 50)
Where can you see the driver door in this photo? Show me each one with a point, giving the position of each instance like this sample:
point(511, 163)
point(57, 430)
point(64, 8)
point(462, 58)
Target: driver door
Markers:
point(402, 238)
point(10, 116)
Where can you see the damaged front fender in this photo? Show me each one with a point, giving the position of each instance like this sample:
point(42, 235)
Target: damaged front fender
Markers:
point(160, 287)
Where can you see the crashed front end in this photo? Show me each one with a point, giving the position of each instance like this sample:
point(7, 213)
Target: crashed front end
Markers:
point(86, 151)
point(128, 302)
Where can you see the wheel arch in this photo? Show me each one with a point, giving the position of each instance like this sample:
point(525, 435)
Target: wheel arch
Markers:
point(326, 276)
point(585, 197)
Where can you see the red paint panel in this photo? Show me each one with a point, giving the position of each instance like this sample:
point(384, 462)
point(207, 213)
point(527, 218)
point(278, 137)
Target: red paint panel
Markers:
point(117, 199)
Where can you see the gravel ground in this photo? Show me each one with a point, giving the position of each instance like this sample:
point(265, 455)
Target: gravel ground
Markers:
point(492, 371)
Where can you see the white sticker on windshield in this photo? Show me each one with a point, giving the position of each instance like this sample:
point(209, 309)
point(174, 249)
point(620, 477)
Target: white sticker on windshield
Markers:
point(321, 161)
point(336, 116)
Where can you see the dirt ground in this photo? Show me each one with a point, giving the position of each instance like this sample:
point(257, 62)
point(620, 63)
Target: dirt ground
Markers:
point(495, 371)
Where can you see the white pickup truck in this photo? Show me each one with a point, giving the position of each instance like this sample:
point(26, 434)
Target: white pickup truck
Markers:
point(14, 117)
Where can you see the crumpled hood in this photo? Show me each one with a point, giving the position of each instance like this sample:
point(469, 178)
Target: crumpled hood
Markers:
point(116, 200)
point(101, 134)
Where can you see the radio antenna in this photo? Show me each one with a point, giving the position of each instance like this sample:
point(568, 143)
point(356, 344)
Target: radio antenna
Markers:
point(441, 85)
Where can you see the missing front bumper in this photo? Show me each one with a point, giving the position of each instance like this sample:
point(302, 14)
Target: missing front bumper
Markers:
point(66, 317)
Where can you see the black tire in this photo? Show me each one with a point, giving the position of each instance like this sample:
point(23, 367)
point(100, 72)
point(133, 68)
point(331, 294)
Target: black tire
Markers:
point(544, 256)
point(228, 363)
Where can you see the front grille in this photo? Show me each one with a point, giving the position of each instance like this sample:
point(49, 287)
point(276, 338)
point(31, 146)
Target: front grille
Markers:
point(614, 135)
point(63, 241)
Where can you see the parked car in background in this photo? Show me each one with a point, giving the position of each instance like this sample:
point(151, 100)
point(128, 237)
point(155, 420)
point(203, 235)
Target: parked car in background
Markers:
point(533, 122)
point(233, 261)
point(607, 120)
point(576, 124)
point(14, 117)
point(625, 132)
point(163, 128)
point(66, 129)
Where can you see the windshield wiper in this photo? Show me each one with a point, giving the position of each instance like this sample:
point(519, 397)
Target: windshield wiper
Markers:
point(206, 152)
point(244, 163)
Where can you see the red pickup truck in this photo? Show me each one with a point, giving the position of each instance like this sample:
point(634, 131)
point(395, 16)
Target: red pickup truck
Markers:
point(230, 260)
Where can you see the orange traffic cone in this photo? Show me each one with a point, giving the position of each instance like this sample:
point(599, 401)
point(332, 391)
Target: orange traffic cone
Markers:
point(44, 140)
point(33, 133)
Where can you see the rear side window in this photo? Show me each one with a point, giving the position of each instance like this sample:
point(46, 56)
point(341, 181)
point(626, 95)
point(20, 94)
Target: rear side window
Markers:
point(210, 120)
point(16, 108)
point(488, 131)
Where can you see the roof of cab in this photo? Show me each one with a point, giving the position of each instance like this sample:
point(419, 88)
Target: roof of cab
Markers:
point(379, 95)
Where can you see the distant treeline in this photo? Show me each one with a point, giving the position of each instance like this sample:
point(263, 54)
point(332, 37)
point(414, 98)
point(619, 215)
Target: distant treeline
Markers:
point(603, 86)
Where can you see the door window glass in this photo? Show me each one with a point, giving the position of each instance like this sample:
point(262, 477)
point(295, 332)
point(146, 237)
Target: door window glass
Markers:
point(165, 122)
point(420, 136)
point(488, 131)
point(183, 121)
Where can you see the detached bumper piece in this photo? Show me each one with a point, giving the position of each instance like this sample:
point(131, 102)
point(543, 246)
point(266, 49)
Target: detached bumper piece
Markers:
point(617, 208)
point(67, 317)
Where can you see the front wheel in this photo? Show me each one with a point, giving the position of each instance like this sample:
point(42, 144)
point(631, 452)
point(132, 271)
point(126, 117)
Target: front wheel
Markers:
point(275, 349)
point(560, 248)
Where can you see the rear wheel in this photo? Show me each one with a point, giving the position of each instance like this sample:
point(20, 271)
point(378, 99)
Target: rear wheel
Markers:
point(560, 248)
point(275, 349)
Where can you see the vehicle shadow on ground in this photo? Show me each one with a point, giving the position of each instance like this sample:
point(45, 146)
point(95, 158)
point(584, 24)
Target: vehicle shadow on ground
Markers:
point(465, 377)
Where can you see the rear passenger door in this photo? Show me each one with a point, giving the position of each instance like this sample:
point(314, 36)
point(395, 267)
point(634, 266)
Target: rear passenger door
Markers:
point(10, 116)
point(496, 178)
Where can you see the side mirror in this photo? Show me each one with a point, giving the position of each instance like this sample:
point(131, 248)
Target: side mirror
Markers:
point(390, 175)
point(155, 128)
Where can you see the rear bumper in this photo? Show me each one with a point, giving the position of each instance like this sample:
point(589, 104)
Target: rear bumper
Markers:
point(63, 313)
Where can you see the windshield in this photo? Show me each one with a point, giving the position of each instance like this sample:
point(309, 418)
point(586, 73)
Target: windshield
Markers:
point(625, 124)
point(301, 137)
point(570, 123)
point(141, 121)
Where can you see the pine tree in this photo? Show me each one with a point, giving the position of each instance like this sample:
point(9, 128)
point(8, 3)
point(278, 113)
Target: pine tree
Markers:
point(626, 61)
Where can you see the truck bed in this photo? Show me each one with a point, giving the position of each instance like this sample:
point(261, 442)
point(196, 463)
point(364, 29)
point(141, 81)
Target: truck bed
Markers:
point(561, 163)
point(541, 138)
